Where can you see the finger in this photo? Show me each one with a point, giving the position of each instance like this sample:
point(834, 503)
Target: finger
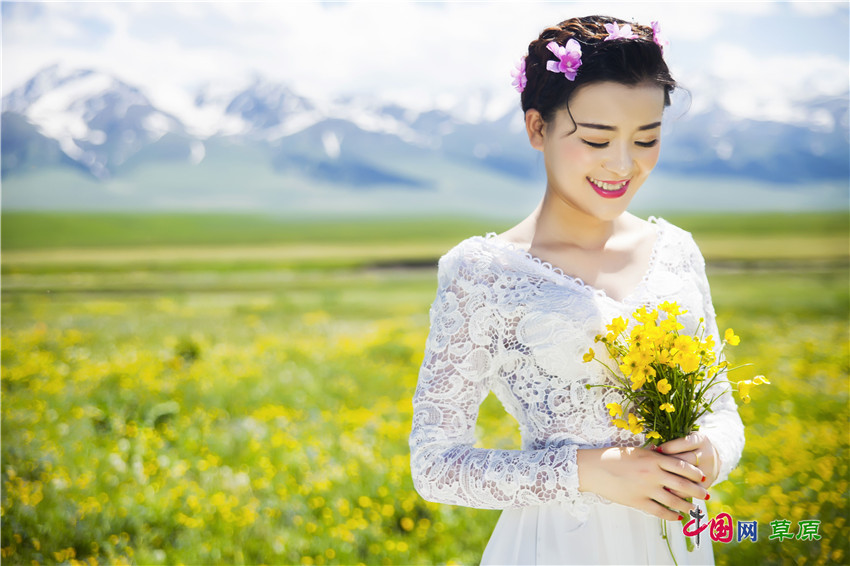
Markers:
point(666, 498)
point(655, 508)
point(683, 487)
point(689, 457)
point(702, 461)
point(682, 468)
point(676, 493)
point(679, 445)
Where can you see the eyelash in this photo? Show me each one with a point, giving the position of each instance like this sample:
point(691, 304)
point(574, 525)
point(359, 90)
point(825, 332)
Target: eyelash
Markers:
point(605, 144)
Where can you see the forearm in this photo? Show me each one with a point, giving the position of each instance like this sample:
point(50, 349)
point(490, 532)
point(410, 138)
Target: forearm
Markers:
point(498, 479)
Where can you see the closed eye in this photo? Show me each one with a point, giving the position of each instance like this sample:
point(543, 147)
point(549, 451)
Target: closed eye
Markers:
point(605, 144)
point(596, 145)
point(647, 144)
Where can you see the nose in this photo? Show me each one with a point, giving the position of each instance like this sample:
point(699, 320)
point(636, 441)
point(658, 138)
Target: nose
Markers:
point(619, 160)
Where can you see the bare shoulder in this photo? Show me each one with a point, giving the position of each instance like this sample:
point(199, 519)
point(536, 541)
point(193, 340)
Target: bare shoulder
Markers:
point(520, 235)
point(635, 225)
point(633, 232)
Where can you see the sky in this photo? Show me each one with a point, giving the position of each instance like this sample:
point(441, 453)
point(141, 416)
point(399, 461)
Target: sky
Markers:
point(765, 54)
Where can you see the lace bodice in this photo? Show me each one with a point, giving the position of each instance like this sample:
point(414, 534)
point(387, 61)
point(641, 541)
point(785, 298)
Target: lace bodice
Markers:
point(507, 322)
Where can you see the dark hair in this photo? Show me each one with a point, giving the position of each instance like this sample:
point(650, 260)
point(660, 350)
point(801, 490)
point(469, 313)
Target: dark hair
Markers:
point(626, 61)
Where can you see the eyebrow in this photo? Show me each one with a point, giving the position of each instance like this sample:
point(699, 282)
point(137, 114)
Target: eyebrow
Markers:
point(651, 126)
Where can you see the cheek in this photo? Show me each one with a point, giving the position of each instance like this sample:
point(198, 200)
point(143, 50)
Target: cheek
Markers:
point(578, 157)
point(650, 158)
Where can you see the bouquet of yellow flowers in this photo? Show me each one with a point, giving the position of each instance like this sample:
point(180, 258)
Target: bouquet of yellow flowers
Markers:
point(665, 377)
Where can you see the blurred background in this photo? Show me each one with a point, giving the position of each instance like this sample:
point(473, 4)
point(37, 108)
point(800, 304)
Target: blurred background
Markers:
point(220, 228)
point(388, 108)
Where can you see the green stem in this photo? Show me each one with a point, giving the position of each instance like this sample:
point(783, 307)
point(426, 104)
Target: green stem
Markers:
point(689, 543)
point(666, 538)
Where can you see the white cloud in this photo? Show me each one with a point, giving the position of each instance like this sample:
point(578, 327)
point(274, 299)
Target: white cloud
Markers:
point(818, 7)
point(767, 86)
point(414, 52)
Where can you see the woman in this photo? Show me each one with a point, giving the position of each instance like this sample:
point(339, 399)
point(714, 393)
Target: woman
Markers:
point(515, 312)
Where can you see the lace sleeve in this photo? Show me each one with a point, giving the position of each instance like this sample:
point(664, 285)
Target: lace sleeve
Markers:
point(723, 426)
point(455, 378)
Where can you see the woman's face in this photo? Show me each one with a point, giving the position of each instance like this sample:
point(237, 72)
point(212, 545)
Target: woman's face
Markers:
point(597, 163)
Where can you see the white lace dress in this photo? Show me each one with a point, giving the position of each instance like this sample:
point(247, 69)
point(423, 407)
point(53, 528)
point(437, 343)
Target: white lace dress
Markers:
point(507, 322)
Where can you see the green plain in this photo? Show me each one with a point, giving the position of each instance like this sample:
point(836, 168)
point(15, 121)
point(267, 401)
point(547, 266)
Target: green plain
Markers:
point(142, 353)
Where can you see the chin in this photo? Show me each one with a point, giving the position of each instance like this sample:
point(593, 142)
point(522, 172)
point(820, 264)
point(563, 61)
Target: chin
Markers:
point(612, 211)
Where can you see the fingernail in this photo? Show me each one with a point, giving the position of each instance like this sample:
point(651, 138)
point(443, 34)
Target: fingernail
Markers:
point(659, 449)
point(680, 518)
point(703, 479)
point(707, 496)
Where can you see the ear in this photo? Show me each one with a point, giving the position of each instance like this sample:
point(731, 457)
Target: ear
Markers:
point(534, 127)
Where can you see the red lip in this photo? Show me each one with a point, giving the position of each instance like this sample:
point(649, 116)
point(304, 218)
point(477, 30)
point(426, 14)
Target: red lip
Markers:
point(609, 194)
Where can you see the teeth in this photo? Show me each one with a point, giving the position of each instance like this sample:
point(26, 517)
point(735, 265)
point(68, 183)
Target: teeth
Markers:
point(609, 186)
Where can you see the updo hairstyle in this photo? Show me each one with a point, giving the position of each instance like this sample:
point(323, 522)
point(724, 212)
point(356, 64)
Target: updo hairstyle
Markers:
point(625, 61)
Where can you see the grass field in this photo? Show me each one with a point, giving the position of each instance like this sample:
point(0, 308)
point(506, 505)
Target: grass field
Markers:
point(228, 389)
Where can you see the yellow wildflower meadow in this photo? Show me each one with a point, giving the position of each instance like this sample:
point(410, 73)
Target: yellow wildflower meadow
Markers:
point(270, 425)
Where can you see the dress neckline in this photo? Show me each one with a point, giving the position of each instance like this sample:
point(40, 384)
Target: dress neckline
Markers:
point(547, 267)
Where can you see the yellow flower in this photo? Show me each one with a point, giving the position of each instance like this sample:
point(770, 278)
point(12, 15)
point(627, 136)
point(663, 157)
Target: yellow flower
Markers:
point(668, 407)
point(689, 362)
point(644, 373)
point(588, 357)
point(744, 390)
point(642, 357)
point(644, 316)
point(654, 335)
point(617, 326)
point(664, 387)
point(671, 308)
point(730, 337)
point(670, 325)
point(745, 386)
point(629, 365)
point(638, 379)
point(615, 409)
point(664, 357)
point(685, 344)
point(634, 424)
point(653, 434)
point(620, 423)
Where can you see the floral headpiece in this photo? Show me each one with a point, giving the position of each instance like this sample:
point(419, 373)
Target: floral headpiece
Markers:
point(520, 80)
point(569, 55)
point(569, 58)
point(659, 39)
point(617, 32)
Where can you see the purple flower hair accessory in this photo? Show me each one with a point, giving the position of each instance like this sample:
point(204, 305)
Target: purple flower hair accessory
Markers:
point(617, 32)
point(569, 58)
point(520, 80)
point(657, 37)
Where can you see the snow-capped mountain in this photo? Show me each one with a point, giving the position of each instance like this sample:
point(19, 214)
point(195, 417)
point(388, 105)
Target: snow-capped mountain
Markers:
point(98, 121)
point(88, 121)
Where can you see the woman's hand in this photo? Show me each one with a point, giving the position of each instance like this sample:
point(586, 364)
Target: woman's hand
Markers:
point(696, 449)
point(642, 479)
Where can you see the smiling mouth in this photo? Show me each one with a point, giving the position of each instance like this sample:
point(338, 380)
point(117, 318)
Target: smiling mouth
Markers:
point(609, 189)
